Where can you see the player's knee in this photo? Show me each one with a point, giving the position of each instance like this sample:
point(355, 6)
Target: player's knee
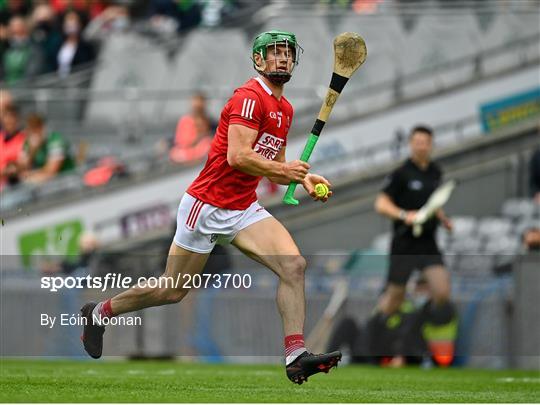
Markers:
point(396, 295)
point(394, 303)
point(391, 300)
point(293, 270)
point(169, 295)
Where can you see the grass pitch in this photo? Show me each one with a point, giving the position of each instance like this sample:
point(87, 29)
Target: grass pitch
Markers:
point(102, 381)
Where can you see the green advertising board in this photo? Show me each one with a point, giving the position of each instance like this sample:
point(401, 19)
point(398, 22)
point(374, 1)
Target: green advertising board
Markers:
point(56, 240)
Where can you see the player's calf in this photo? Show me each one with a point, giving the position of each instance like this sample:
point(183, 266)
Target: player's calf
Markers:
point(164, 296)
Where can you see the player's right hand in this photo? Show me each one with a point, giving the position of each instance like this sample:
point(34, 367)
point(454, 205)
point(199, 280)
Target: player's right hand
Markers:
point(296, 170)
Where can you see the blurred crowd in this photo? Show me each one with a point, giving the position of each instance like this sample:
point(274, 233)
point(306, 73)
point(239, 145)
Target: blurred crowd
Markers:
point(193, 135)
point(47, 36)
point(43, 37)
point(30, 151)
point(33, 152)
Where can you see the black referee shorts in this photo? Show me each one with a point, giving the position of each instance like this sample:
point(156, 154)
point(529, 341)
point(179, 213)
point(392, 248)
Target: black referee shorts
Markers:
point(408, 254)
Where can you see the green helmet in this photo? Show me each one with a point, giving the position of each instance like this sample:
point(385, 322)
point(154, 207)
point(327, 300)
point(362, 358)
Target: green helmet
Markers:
point(274, 37)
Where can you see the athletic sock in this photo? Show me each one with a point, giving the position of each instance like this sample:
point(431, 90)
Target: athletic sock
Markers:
point(101, 311)
point(294, 347)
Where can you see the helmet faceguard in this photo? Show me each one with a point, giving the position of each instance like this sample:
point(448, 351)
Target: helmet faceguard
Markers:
point(269, 39)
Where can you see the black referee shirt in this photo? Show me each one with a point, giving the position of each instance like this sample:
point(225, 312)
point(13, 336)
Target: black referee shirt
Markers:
point(409, 187)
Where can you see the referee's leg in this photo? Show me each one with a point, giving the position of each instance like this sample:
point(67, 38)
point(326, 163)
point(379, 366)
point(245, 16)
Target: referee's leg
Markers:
point(383, 339)
point(438, 281)
point(440, 326)
point(438, 310)
point(391, 299)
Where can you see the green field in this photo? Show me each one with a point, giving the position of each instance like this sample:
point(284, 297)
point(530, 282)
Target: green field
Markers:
point(101, 381)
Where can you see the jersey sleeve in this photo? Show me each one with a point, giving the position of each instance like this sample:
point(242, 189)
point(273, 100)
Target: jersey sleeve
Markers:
point(55, 147)
point(439, 175)
point(246, 109)
point(392, 185)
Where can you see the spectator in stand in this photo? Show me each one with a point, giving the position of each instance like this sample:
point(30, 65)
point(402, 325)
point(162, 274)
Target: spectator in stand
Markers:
point(193, 134)
point(6, 100)
point(4, 44)
point(193, 139)
point(44, 156)
point(82, 266)
point(12, 139)
point(531, 239)
point(163, 17)
point(74, 51)
point(106, 169)
point(534, 175)
point(47, 36)
point(113, 20)
point(22, 59)
point(91, 8)
point(188, 13)
point(12, 8)
point(214, 13)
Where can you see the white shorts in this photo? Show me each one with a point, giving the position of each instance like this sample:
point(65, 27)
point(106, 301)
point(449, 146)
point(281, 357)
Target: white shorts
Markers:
point(199, 226)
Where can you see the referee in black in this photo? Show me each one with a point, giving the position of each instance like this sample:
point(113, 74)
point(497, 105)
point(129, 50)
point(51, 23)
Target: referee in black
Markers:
point(405, 191)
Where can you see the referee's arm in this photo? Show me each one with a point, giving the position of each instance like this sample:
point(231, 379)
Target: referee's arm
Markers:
point(445, 221)
point(384, 205)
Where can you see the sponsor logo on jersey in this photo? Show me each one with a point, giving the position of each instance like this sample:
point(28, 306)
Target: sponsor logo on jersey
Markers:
point(268, 146)
point(277, 116)
point(247, 108)
point(416, 185)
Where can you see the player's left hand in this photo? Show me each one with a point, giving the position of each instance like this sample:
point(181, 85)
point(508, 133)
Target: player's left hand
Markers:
point(309, 185)
point(448, 224)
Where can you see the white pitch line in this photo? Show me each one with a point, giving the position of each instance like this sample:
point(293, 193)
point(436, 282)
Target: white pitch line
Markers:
point(166, 372)
point(135, 372)
point(520, 379)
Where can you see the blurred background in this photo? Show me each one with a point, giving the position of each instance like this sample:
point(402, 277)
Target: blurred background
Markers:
point(108, 108)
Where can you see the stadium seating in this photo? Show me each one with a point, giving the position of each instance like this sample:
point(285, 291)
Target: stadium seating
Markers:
point(500, 30)
point(463, 226)
point(427, 46)
point(383, 64)
point(128, 62)
point(519, 209)
point(216, 61)
point(490, 228)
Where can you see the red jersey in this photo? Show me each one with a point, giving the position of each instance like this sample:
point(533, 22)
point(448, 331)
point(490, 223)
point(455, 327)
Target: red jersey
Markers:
point(253, 106)
point(10, 148)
